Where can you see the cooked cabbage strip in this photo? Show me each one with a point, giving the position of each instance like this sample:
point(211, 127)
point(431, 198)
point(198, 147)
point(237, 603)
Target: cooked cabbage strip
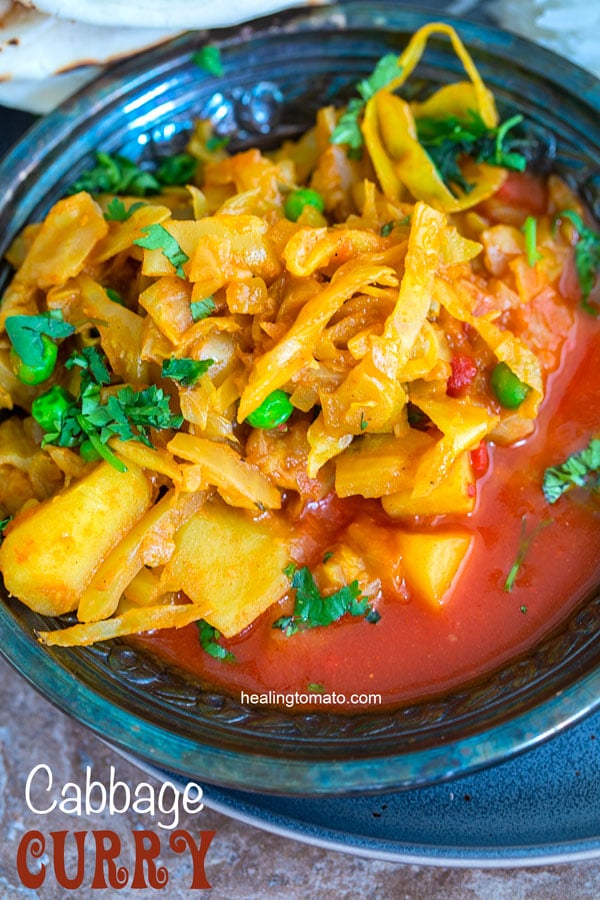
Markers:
point(401, 161)
point(149, 543)
point(295, 351)
point(463, 425)
point(409, 59)
point(390, 131)
point(373, 395)
point(134, 621)
point(236, 480)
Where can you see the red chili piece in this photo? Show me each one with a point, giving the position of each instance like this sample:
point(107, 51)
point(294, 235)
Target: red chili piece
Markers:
point(480, 460)
point(464, 371)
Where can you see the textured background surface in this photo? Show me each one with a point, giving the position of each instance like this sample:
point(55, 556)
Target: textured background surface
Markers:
point(242, 862)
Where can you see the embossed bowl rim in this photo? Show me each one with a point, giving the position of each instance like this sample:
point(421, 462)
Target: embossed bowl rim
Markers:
point(156, 715)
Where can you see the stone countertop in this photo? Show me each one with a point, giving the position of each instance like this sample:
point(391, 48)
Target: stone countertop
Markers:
point(242, 861)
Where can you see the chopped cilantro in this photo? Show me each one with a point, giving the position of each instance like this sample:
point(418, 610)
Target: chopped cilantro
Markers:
point(126, 414)
point(92, 363)
point(386, 70)
point(347, 130)
point(364, 422)
point(119, 175)
point(524, 545)
point(25, 333)
point(114, 296)
point(116, 175)
point(312, 610)
point(201, 309)
point(209, 59)
point(116, 211)
point(530, 231)
point(581, 469)
point(177, 170)
point(327, 556)
point(524, 610)
point(209, 638)
point(315, 688)
point(185, 371)
point(587, 257)
point(387, 229)
point(446, 140)
point(290, 570)
point(158, 238)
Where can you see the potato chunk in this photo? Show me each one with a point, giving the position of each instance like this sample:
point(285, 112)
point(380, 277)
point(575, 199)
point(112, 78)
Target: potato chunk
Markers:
point(454, 495)
point(230, 562)
point(431, 561)
point(51, 552)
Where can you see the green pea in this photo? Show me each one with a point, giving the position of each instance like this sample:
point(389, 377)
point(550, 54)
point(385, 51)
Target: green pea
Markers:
point(510, 391)
point(49, 409)
point(88, 452)
point(40, 372)
point(297, 200)
point(273, 411)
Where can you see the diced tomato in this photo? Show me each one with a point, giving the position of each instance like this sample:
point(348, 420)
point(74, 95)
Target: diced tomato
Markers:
point(480, 460)
point(464, 371)
point(525, 191)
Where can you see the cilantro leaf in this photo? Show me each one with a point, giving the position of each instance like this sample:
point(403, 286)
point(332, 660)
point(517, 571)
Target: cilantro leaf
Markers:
point(386, 70)
point(524, 545)
point(587, 257)
point(209, 638)
point(312, 610)
point(158, 238)
point(91, 361)
point(25, 333)
point(185, 371)
point(116, 175)
point(347, 130)
point(127, 414)
point(177, 170)
point(581, 469)
point(116, 211)
point(209, 59)
point(446, 140)
point(200, 309)
point(114, 296)
point(387, 229)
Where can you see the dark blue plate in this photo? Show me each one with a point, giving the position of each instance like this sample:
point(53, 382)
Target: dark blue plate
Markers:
point(540, 808)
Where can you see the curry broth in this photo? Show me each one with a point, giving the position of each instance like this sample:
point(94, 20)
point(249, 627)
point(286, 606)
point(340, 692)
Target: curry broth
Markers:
point(414, 651)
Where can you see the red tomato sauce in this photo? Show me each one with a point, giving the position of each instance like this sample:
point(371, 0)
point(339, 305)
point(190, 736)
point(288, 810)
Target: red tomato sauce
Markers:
point(415, 651)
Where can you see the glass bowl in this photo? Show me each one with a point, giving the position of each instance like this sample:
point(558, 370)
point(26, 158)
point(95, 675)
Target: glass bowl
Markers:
point(277, 72)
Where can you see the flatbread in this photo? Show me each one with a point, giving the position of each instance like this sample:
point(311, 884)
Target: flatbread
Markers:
point(34, 45)
point(50, 49)
point(182, 14)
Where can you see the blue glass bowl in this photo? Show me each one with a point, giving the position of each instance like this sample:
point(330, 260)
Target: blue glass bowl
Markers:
point(278, 71)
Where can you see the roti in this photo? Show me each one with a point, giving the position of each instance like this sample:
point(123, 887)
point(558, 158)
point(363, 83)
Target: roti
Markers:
point(181, 14)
